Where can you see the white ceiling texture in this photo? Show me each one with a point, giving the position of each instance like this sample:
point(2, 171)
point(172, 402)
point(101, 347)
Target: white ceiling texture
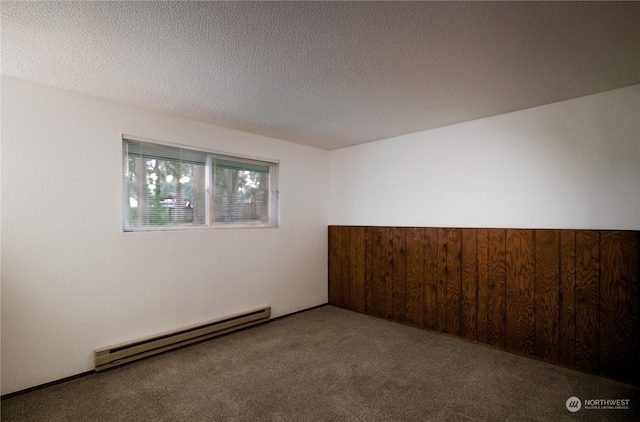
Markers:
point(326, 74)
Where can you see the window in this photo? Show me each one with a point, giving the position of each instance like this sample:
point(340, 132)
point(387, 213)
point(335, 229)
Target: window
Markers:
point(168, 187)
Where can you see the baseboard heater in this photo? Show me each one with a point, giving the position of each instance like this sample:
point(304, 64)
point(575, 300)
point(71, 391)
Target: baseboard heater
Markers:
point(108, 357)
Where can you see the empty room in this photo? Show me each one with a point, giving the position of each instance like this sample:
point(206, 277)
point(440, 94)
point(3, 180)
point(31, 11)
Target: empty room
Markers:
point(307, 211)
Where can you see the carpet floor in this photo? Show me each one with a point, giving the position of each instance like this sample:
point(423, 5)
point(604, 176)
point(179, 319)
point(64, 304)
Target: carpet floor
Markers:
point(328, 364)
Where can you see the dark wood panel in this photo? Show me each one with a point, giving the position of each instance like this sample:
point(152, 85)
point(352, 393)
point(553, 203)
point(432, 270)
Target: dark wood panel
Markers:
point(567, 330)
point(443, 237)
point(469, 305)
point(335, 269)
point(415, 276)
point(547, 294)
point(587, 300)
point(346, 266)
point(483, 284)
point(357, 253)
point(368, 269)
point(431, 278)
point(619, 300)
point(453, 271)
point(398, 274)
point(378, 273)
point(520, 324)
point(496, 276)
point(388, 272)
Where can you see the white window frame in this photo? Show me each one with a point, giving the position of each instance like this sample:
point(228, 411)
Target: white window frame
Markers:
point(210, 223)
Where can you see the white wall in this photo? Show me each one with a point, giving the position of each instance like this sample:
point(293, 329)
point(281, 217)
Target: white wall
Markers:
point(574, 164)
point(72, 281)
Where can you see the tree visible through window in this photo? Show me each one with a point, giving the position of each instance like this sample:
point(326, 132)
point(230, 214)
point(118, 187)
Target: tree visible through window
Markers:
point(168, 187)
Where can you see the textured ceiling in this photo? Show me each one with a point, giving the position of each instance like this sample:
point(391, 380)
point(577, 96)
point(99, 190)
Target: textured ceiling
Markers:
point(327, 74)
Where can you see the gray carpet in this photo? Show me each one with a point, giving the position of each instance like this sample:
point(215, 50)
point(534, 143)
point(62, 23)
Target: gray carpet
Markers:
point(327, 364)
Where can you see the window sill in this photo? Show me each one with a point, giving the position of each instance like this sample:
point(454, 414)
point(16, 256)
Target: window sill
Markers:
point(191, 228)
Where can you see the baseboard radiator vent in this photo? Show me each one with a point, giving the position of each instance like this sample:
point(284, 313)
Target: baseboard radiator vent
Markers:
point(108, 357)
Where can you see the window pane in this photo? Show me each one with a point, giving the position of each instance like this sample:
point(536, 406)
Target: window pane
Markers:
point(240, 196)
point(161, 189)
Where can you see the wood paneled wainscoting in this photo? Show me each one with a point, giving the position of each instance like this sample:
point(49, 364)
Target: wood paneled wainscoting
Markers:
point(566, 296)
